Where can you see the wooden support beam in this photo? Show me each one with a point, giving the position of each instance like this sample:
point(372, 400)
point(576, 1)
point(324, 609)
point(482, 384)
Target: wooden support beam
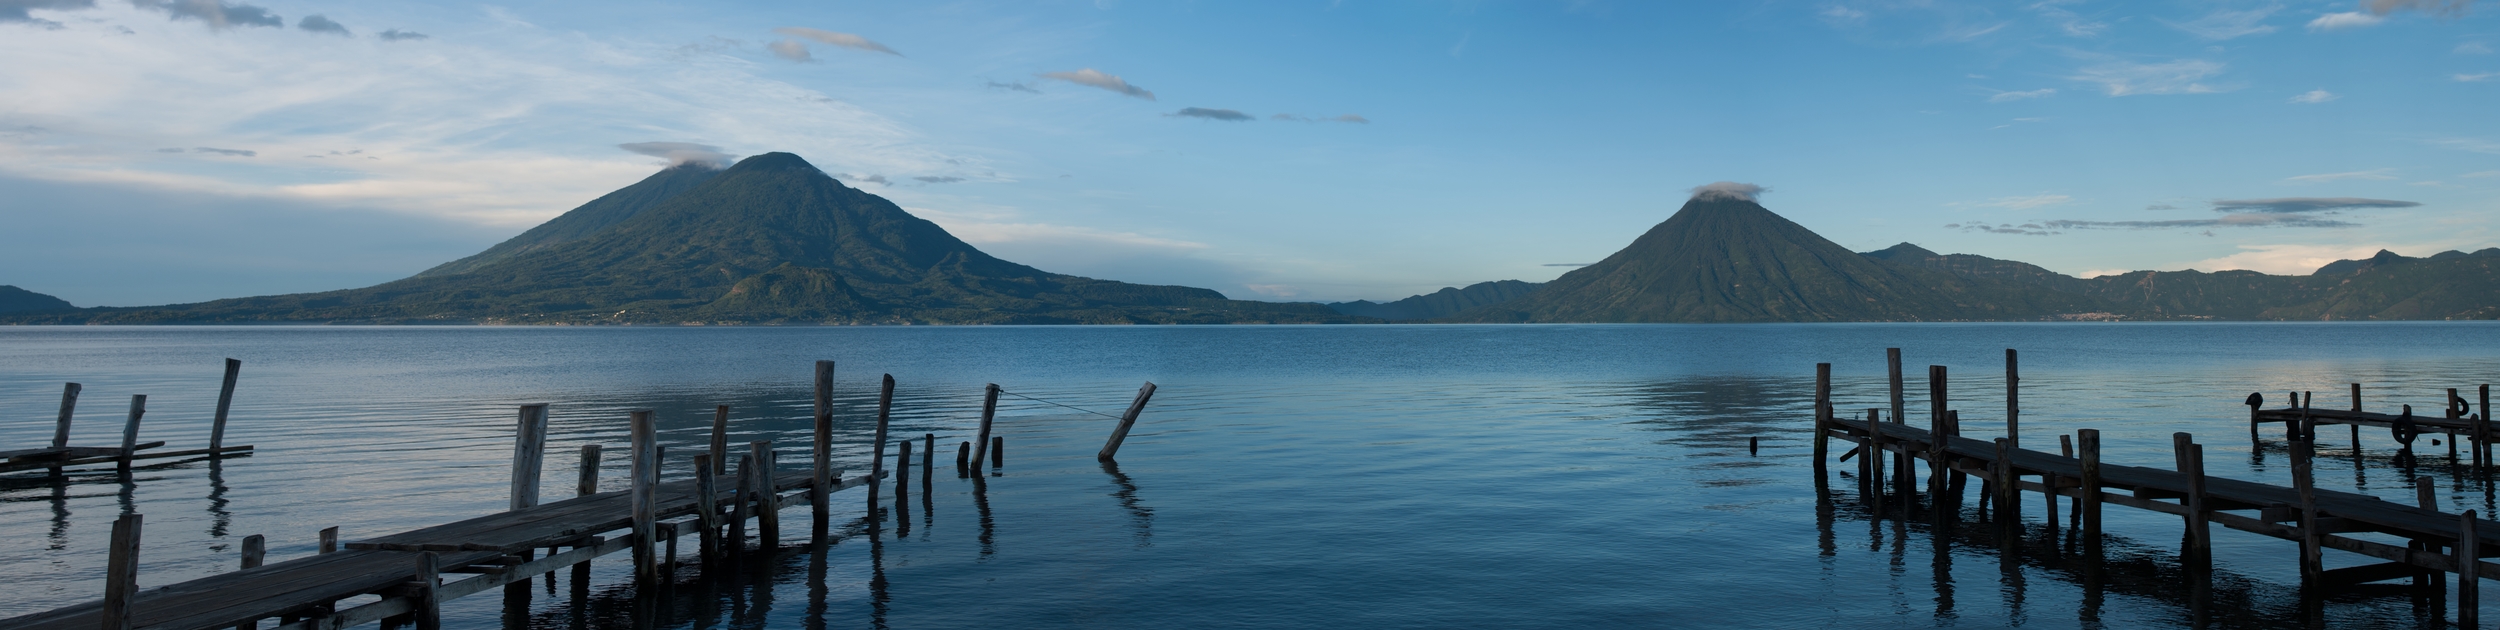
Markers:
point(225, 402)
point(2191, 458)
point(1111, 447)
point(130, 429)
point(121, 574)
point(2008, 508)
point(720, 438)
point(1939, 473)
point(2312, 558)
point(820, 490)
point(736, 542)
point(529, 454)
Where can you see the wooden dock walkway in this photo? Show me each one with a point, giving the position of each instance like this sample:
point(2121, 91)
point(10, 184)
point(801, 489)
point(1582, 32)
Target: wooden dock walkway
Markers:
point(2415, 542)
point(2458, 420)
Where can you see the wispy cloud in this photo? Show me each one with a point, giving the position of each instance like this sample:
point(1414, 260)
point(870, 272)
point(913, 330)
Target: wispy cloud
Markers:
point(2477, 145)
point(396, 35)
point(2303, 205)
point(2315, 96)
point(2472, 48)
point(938, 179)
point(2343, 21)
point(1017, 87)
point(2025, 203)
point(1212, 114)
point(2441, 8)
point(16, 10)
point(2228, 220)
point(682, 153)
point(2482, 175)
point(2476, 77)
point(1095, 78)
point(2068, 21)
point(791, 50)
point(2227, 24)
point(2185, 76)
point(830, 38)
point(872, 179)
point(1341, 118)
point(2005, 97)
point(1723, 191)
point(2320, 178)
point(2026, 229)
point(219, 14)
point(318, 24)
point(226, 152)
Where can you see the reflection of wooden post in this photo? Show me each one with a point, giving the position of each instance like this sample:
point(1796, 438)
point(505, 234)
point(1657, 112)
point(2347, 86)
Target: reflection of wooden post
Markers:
point(130, 429)
point(1129, 419)
point(2356, 427)
point(225, 401)
point(1822, 417)
point(529, 451)
point(1873, 458)
point(121, 575)
point(2089, 446)
point(989, 412)
point(2469, 583)
point(646, 472)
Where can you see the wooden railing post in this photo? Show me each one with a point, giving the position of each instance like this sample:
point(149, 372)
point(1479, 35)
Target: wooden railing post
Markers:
point(1111, 448)
point(130, 430)
point(225, 402)
point(529, 453)
point(121, 575)
point(645, 476)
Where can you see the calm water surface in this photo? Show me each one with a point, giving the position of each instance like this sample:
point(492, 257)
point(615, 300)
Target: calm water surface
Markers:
point(1474, 476)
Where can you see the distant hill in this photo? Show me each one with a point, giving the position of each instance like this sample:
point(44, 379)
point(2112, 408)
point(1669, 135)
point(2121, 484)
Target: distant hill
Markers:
point(16, 300)
point(770, 240)
point(1438, 304)
point(1725, 258)
point(2449, 285)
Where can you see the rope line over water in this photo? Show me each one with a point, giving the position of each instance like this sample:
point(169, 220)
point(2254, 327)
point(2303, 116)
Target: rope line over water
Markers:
point(1038, 400)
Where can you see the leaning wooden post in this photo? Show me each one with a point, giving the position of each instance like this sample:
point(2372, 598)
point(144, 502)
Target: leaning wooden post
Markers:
point(902, 470)
point(876, 459)
point(225, 401)
point(767, 495)
point(130, 430)
point(429, 598)
point(2312, 556)
point(588, 482)
point(2469, 555)
point(707, 508)
point(255, 549)
point(69, 405)
point(646, 473)
point(2013, 401)
point(529, 450)
point(121, 575)
point(2088, 445)
point(1822, 417)
point(1119, 434)
point(989, 412)
point(2191, 460)
point(329, 540)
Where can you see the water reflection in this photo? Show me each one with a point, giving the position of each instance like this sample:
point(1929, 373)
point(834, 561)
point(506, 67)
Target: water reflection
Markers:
point(1140, 517)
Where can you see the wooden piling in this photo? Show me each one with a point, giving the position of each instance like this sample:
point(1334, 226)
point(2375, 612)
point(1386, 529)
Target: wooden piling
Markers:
point(989, 412)
point(329, 540)
point(646, 476)
point(69, 405)
point(1822, 416)
point(1903, 474)
point(1939, 472)
point(876, 460)
point(429, 597)
point(225, 402)
point(767, 497)
point(2425, 495)
point(529, 450)
point(2468, 558)
point(1119, 434)
point(121, 574)
point(1753, 446)
point(588, 482)
point(130, 430)
point(820, 460)
point(998, 451)
point(902, 470)
point(2356, 428)
point(2312, 537)
point(736, 541)
point(707, 510)
point(1873, 458)
point(963, 460)
point(2088, 444)
point(824, 388)
point(2008, 510)
point(255, 549)
point(720, 439)
point(928, 461)
point(2013, 401)
point(2191, 460)
point(2482, 426)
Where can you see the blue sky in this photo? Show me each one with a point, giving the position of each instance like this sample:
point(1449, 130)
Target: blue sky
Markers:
point(178, 150)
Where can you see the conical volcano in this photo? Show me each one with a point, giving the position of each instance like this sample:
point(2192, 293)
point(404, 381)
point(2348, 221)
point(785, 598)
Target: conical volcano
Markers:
point(768, 240)
point(1725, 258)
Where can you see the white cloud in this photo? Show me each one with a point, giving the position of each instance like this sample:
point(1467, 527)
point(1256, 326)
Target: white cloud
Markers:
point(2482, 175)
point(2477, 77)
point(2477, 145)
point(2472, 48)
point(2026, 203)
point(845, 40)
point(2185, 76)
point(2299, 260)
point(507, 126)
point(2345, 20)
point(2315, 96)
point(2222, 25)
point(2320, 178)
point(2004, 97)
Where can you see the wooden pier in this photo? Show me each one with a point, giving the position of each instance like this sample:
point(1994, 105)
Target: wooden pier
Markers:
point(2417, 543)
point(402, 576)
point(2459, 421)
point(60, 454)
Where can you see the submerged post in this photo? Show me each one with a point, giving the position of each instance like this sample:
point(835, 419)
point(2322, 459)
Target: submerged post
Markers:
point(1127, 419)
point(646, 475)
point(529, 450)
point(998, 451)
point(225, 401)
point(876, 460)
point(1822, 417)
point(963, 460)
point(820, 488)
point(130, 429)
point(928, 462)
point(989, 412)
point(121, 575)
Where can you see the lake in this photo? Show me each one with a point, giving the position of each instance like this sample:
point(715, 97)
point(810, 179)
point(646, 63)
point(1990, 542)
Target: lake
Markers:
point(1283, 476)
